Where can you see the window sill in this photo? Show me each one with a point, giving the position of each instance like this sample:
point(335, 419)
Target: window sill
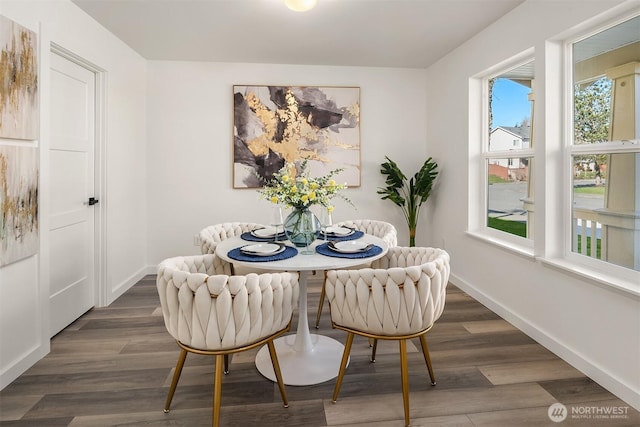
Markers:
point(515, 248)
point(628, 287)
point(605, 280)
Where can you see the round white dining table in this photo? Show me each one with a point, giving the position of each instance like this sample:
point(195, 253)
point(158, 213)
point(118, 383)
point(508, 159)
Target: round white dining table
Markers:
point(304, 358)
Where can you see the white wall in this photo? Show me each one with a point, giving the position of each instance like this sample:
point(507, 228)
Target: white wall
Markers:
point(190, 150)
point(24, 285)
point(593, 326)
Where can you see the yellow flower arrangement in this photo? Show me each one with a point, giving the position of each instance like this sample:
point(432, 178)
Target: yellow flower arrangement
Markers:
point(294, 188)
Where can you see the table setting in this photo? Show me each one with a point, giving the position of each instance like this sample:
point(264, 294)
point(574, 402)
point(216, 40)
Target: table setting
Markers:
point(264, 234)
point(335, 241)
point(337, 233)
point(301, 242)
point(353, 249)
point(262, 252)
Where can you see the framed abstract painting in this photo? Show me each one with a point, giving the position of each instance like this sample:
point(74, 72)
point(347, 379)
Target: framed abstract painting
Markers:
point(19, 109)
point(18, 203)
point(274, 125)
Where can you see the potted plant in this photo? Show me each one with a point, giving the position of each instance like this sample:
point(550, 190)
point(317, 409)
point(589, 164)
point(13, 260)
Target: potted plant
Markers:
point(409, 196)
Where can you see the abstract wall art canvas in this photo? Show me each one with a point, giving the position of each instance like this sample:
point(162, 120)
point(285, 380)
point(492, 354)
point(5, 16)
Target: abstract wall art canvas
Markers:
point(19, 117)
point(18, 203)
point(274, 125)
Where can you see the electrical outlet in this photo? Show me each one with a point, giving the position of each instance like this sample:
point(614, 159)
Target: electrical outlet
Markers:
point(196, 240)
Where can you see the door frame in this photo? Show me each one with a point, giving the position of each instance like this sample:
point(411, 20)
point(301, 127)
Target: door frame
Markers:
point(100, 171)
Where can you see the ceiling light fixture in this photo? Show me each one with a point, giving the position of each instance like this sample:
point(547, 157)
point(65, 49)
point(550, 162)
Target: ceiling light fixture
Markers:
point(300, 5)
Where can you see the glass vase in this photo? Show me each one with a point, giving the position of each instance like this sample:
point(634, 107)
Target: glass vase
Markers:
point(301, 226)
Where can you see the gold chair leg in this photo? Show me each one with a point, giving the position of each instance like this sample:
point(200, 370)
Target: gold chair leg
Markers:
point(427, 358)
point(276, 370)
point(217, 390)
point(321, 304)
point(374, 347)
point(343, 366)
point(176, 377)
point(405, 381)
point(226, 364)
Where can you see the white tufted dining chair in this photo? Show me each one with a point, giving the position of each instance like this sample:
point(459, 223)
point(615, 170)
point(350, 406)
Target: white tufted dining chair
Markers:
point(381, 229)
point(212, 235)
point(399, 298)
point(210, 313)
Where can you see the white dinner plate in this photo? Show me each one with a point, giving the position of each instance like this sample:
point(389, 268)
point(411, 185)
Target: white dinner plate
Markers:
point(264, 232)
point(263, 249)
point(339, 231)
point(349, 246)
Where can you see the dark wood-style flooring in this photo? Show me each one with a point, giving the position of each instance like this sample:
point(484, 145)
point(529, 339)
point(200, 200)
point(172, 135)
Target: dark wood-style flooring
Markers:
point(113, 366)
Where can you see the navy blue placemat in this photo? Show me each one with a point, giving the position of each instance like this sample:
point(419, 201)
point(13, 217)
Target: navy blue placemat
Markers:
point(356, 235)
point(324, 250)
point(251, 238)
point(238, 255)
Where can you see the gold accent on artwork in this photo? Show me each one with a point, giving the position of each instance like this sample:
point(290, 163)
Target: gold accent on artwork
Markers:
point(276, 125)
point(18, 81)
point(18, 203)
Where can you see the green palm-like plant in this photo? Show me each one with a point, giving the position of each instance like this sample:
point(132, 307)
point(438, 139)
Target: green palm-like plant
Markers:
point(409, 196)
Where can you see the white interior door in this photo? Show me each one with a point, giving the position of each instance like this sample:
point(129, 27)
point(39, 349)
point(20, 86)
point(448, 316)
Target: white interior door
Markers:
point(71, 154)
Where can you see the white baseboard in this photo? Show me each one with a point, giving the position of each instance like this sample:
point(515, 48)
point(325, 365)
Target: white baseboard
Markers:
point(20, 367)
point(575, 359)
point(151, 269)
point(127, 284)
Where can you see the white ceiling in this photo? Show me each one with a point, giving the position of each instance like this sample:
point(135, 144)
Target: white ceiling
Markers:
point(378, 33)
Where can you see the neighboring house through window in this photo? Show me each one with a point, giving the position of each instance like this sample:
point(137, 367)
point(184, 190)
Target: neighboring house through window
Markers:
point(507, 154)
point(504, 138)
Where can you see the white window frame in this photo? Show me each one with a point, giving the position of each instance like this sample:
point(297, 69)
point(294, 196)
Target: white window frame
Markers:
point(521, 245)
point(601, 271)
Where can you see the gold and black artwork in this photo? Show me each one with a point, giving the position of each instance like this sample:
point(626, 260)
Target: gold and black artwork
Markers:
point(274, 125)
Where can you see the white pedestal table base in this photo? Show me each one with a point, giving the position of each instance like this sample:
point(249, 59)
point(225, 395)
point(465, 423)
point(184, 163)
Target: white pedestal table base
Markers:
point(307, 367)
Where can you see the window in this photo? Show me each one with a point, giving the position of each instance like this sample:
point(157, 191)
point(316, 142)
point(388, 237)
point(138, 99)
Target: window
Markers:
point(508, 156)
point(604, 148)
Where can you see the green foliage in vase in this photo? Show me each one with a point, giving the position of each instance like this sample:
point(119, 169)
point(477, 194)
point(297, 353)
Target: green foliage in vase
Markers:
point(293, 187)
